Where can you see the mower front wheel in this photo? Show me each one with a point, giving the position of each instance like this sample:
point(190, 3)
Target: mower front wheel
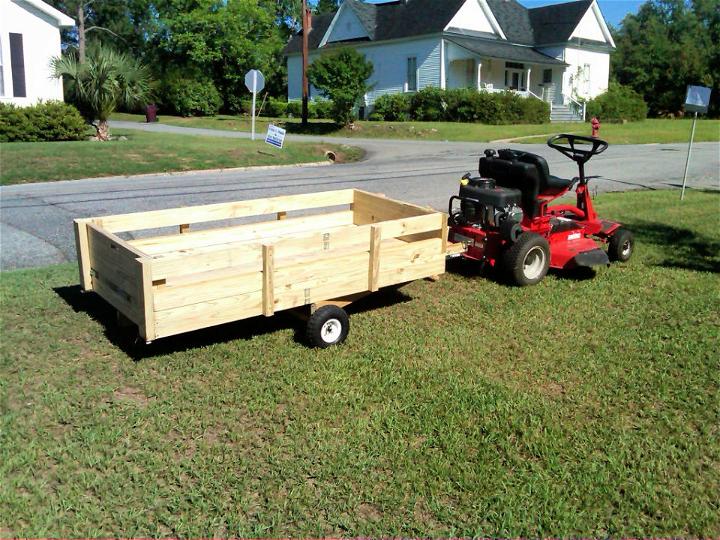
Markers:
point(527, 260)
point(621, 246)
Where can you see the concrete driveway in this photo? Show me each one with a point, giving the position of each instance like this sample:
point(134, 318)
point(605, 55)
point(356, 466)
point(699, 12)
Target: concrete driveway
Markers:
point(35, 219)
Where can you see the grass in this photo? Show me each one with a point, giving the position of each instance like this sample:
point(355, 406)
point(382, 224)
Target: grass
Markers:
point(649, 131)
point(143, 153)
point(579, 407)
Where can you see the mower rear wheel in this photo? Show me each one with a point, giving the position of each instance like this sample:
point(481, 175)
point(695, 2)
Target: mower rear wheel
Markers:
point(527, 260)
point(621, 246)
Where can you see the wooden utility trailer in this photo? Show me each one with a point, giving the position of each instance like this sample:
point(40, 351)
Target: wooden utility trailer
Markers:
point(357, 243)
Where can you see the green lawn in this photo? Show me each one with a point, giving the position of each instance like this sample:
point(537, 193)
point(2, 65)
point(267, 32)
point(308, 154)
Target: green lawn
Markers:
point(458, 408)
point(649, 131)
point(149, 153)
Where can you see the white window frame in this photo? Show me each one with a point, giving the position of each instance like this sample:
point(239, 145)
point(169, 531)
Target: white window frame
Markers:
point(407, 72)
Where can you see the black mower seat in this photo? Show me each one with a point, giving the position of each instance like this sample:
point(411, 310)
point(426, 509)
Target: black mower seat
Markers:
point(547, 181)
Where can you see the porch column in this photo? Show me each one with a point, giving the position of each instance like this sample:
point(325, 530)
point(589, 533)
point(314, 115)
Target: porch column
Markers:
point(527, 86)
point(479, 75)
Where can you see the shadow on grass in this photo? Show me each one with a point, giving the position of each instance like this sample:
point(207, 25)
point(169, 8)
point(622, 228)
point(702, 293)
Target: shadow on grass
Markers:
point(473, 269)
point(312, 128)
point(682, 248)
point(126, 338)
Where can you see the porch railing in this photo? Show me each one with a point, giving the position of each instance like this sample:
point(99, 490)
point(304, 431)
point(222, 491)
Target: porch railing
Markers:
point(579, 107)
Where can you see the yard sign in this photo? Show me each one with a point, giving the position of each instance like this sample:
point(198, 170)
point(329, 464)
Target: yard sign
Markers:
point(275, 136)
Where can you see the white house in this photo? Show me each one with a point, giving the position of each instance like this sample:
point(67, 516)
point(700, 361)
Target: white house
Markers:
point(29, 39)
point(556, 53)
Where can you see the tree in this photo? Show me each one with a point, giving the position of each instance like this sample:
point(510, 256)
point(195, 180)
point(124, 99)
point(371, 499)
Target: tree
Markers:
point(667, 45)
point(326, 6)
point(105, 81)
point(341, 75)
point(220, 39)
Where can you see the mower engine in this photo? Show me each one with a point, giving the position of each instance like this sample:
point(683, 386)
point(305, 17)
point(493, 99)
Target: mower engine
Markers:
point(487, 207)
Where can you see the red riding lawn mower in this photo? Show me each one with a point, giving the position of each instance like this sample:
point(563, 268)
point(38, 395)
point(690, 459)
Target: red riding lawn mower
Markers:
point(504, 219)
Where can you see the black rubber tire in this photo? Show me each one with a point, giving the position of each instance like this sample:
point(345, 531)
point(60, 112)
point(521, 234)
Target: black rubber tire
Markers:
point(320, 335)
point(514, 260)
point(621, 246)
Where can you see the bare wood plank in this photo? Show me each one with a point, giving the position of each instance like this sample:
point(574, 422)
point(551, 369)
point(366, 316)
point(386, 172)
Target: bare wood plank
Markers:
point(205, 314)
point(371, 208)
point(121, 300)
point(321, 244)
point(240, 258)
point(230, 210)
point(268, 286)
point(214, 287)
point(147, 329)
point(242, 233)
point(342, 302)
point(374, 266)
point(83, 253)
point(341, 286)
point(444, 232)
point(281, 215)
point(311, 274)
point(418, 270)
point(183, 228)
point(412, 225)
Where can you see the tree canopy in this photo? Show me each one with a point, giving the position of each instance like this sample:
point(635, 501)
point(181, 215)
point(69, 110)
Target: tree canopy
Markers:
point(667, 45)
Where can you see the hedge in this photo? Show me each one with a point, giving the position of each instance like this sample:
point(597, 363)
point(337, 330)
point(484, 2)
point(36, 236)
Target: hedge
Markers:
point(46, 121)
point(463, 105)
point(618, 104)
point(190, 97)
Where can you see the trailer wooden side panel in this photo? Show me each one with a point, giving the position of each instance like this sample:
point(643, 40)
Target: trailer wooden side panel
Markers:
point(193, 279)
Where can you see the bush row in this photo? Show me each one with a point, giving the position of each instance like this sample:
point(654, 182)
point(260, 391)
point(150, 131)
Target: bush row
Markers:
point(46, 121)
point(462, 105)
point(618, 104)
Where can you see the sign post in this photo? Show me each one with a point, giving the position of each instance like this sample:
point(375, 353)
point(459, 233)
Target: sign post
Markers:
point(255, 82)
point(697, 100)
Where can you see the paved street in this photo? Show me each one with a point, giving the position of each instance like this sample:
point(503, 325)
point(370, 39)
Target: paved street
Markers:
point(35, 219)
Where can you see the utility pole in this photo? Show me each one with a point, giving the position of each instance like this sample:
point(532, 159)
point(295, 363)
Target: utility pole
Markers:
point(306, 27)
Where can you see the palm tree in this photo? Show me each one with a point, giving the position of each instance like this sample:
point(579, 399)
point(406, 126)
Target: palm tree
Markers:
point(106, 80)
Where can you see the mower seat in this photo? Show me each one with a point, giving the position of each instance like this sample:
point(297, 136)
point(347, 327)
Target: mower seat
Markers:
point(549, 184)
point(514, 174)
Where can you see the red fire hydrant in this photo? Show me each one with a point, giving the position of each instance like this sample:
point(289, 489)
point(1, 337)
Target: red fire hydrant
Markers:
point(595, 123)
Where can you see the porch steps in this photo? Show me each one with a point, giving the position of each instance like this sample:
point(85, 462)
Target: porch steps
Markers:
point(563, 113)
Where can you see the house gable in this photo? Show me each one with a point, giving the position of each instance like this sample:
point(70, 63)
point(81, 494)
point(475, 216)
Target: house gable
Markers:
point(476, 16)
point(592, 27)
point(346, 26)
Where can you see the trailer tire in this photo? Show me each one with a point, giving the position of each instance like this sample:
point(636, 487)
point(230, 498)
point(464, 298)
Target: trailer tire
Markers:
point(328, 326)
point(526, 262)
point(621, 246)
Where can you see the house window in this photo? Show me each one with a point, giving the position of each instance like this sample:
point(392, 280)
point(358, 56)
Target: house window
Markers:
point(547, 76)
point(17, 65)
point(411, 80)
point(514, 65)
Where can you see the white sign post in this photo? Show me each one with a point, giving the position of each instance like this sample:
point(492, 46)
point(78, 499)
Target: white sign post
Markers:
point(697, 100)
point(255, 82)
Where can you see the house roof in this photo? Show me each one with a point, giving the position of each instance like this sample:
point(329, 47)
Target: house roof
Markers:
point(555, 24)
point(406, 18)
point(62, 20)
point(503, 50)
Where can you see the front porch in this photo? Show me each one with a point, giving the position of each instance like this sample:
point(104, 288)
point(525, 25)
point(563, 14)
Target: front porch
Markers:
point(480, 64)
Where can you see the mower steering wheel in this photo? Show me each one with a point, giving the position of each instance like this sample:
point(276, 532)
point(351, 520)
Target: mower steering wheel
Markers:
point(569, 149)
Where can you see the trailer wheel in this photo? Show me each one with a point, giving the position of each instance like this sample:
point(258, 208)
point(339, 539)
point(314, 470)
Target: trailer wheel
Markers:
point(328, 326)
point(621, 246)
point(527, 260)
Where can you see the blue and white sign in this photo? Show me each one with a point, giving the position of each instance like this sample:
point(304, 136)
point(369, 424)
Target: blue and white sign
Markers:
point(275, 136)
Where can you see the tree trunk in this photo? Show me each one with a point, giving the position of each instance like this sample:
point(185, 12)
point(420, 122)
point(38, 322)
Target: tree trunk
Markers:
point(103, 130)
point(81, 32)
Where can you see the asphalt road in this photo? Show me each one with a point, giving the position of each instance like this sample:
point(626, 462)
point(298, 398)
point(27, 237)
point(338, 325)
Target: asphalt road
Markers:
point(36, 219)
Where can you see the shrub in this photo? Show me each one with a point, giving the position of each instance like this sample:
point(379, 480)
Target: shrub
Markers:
point(375, 117)
point(48, 121)
point(274, 108)
point(191, 97)
point(618, 104)
point(341, 75)
point(393, 107)
point(322, 108)
point(429, 104)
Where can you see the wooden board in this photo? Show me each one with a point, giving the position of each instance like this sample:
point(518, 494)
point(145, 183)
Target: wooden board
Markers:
point(193, 279)
point(216, 212)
